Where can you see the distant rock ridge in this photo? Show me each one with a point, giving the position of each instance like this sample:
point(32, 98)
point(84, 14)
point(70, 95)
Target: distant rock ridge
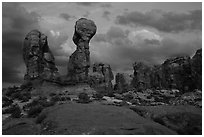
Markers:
point(39, 60)
point(183, 73)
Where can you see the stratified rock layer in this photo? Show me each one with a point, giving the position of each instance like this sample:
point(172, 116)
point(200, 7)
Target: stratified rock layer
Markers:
point(38, 58)
point(79, 61)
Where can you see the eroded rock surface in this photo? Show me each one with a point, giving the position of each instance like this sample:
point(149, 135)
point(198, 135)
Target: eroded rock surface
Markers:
point(79, 61)
point(101, 76)
point(196, 63)
point(122, 82)
point(38, 58)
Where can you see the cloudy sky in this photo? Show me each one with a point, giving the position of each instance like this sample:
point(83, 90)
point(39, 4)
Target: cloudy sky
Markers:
point(126, 32)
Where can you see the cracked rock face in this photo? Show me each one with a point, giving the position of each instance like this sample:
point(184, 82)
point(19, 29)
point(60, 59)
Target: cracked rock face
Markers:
point(102, 75)
point(79, 61)
point(38, 58)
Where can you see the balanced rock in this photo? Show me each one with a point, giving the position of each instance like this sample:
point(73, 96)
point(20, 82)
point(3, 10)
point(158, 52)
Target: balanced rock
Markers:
point(79, 61)
point(38, 58)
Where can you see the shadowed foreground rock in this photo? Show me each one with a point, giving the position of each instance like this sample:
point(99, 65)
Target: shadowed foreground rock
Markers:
point(184, 119)
point(38, 58)
point(79, 119)
point(79, 61)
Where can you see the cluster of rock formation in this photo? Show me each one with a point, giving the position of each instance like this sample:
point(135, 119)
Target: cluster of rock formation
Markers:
point(79, 62)
point(38, 58)
point(181, 73)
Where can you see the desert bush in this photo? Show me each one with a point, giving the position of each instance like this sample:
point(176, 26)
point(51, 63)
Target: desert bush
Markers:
point(6, 101)
point(35, 110)
point(40, 118)
point(83, 98)
point(52, 94)
point(98, 95)
point(14, 110)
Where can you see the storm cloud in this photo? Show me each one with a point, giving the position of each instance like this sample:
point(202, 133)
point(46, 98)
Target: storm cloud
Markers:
point(117, 49)
point(16, 22)
point(163, 21)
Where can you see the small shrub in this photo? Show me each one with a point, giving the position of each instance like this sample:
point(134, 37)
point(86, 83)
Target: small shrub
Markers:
point(6, 101)
point(98, 95)
point(83, 98)
point(35, 110)
point(40, 118)
point(14, 110)
point(52, 94)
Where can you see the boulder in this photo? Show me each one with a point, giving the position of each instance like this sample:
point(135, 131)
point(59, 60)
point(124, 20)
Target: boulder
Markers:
point(79, 61)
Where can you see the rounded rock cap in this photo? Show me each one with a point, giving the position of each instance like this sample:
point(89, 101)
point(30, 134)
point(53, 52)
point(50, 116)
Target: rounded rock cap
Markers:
point(85, 28)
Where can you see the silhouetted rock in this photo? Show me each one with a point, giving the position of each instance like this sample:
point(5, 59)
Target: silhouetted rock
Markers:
point(196, 64)
point(122, 82)
point(79, 61)
point(38, 58)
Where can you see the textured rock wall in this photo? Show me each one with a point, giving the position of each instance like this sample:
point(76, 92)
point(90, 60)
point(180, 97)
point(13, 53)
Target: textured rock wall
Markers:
point(122, 82)
point(181, 73)
point(38, 58)
point(101, 75)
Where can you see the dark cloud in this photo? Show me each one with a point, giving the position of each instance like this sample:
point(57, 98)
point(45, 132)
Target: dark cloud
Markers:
point(86, 14)
point(106, 5)
point(16, 23)
point(86, 3)
point(163, 21)
point(116, 49)
point(65, 16)
point(106, 15)
point(152, 41)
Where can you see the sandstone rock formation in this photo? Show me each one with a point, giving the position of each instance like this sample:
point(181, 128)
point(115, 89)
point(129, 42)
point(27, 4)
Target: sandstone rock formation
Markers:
point(177, 73)
point(196, 64)
point(181, 73)
point(101, 75)
point(79, 61)
point(141, 78)
point(122, 82)
point(38, 58)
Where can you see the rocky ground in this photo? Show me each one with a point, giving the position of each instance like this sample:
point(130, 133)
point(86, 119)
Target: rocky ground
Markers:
point(82, 110)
